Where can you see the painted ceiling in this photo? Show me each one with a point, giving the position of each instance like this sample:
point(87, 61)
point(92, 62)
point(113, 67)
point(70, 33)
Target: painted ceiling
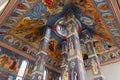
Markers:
point(24, 22)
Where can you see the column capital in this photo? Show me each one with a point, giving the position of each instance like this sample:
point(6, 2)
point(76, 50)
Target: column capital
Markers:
point(37, 72)
point(41, 52)
point(45, 38)
point(75, 57)
point(73, 34)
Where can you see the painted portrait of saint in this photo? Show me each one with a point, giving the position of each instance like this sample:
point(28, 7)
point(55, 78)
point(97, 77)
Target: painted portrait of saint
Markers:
point(71, 47)
point(94, 67)
point(51, 46)
point(65, 74)
point(12, 63)
point(90, 48)
point(112, 55)
point(51, 75)
point(3, 59)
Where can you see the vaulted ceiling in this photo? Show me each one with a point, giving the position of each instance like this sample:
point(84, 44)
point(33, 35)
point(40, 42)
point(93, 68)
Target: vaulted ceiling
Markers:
point(23, 22)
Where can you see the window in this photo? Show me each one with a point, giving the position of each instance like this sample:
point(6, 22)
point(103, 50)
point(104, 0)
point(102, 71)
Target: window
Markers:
point(59, 77)
point(22, 70)
point(3, 3)
point(44, 76)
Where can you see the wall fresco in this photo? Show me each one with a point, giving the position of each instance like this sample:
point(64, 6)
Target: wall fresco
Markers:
point(10, 63)
point(52, 75)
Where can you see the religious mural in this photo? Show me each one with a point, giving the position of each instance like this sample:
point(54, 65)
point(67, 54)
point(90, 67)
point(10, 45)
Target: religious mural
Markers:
point(10, 63)
point(65, 74)
point(53, 6)
point(71, 47)
point(105, 57)
point(98, 46)
point(52, 75)
point(6, 76)
point(20, 45)
point(76, 70)
point(26, 30)
point(89, 47)
point(22, 33)
point(95, 66)
point(54, 49)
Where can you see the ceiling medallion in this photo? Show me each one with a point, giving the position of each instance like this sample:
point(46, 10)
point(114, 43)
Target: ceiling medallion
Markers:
point(86, 20)
point(61, 29)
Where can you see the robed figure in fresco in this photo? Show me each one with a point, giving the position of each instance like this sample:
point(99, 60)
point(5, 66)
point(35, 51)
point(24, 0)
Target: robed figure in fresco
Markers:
point(71, 47)
point(65, 75)
point(73, 73)
point(94, 66)
point(3, 59)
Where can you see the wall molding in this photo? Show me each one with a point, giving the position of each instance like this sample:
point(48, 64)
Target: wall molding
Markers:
point(17, 51)
point(106, 63)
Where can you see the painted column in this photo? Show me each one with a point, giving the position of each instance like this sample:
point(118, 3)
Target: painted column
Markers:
point(76, 68)
point(95, 63)
point(64, 66)
point(39, 68)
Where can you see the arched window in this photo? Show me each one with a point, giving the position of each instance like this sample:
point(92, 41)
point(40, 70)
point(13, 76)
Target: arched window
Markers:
point(44, 76)
point(3, 3)
point(22, 70)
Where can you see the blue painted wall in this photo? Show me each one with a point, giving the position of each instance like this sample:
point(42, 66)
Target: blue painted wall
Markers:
point(10, 63)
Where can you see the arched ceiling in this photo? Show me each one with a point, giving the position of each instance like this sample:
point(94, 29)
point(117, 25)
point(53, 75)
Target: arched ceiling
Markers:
point(27, 22)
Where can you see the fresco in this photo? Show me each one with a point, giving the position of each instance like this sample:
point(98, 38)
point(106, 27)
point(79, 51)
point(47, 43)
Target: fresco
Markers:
point(18, 12)
point(52, 75)
point(20, 45)
point(109, 17)
point(10, 63)
point(106, 57)
point(27, 30)
point(51, 5)
point(89, 9)
point(6, 76)
point(95, 66)
point(71, 46)
point(76, 70)
point(54, 49)
point(103, 7)
point(24, 27)
point(52, 62)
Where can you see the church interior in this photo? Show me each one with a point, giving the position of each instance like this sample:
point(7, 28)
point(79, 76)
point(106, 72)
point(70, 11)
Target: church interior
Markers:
point(59, 39)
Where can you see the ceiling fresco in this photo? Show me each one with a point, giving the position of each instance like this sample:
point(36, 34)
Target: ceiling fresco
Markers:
point(25, 26)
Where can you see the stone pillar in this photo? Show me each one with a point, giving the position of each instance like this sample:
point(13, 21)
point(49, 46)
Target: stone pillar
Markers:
point(39, 68)
point(95, 63)
point(64, 66)
point(76, 68)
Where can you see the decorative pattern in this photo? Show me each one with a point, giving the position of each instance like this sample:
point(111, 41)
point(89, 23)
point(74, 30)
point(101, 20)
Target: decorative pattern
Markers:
point(12, 20)
point(109, 19)
point(16, 43)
